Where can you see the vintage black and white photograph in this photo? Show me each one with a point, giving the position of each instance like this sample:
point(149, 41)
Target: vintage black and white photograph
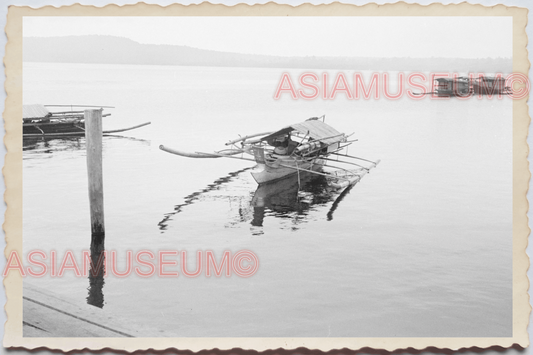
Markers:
point(268, 176)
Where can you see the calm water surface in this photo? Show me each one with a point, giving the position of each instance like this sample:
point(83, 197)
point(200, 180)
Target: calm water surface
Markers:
point(420, 247)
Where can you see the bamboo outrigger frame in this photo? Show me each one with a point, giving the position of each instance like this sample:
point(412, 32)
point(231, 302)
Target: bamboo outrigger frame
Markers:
point(278, 156)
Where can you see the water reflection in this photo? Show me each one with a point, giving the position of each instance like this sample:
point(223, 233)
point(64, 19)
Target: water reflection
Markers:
point(294, 198)
point(195, 196)
point(290, 196)
point(50, 145)
point(95, 290)
point(290, 201)
point(34, 146)
point(338, 200)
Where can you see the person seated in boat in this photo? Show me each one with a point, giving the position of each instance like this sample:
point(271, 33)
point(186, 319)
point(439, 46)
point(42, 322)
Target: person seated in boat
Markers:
point(284, 145)
point(280, 150)
point(291, 145)
point(280, 145)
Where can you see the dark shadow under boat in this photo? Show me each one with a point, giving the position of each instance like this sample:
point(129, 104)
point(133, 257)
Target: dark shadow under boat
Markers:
point(291, 198)
point(294, 197)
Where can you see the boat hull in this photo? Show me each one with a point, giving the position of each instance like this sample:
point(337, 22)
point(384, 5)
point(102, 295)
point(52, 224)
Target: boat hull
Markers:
point(53, 129)
point(64, 129)
point(283, 168)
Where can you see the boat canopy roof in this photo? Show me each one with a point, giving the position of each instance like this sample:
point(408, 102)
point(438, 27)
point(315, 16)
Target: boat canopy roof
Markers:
point(34, 111)
point(315, 129)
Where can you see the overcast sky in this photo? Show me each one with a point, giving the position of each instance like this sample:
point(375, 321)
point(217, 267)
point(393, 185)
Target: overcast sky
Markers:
point(456, 37)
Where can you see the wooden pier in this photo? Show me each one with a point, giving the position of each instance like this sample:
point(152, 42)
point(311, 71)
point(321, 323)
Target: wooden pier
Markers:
point(45, 314)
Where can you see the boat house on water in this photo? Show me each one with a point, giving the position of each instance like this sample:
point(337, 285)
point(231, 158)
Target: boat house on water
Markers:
point(446, 87)
point(489, 86)
point(464, 86)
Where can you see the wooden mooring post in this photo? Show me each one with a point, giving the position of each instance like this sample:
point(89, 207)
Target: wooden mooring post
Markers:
point(93, 135)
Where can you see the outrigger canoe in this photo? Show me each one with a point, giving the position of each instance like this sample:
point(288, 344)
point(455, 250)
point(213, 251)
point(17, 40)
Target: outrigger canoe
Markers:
point(311, 146)
point(38, 121)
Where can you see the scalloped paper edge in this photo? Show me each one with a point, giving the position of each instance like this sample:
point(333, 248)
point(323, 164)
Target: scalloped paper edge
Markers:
point(13, 179)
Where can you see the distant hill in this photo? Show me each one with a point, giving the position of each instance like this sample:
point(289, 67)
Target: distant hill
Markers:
point(119, 50)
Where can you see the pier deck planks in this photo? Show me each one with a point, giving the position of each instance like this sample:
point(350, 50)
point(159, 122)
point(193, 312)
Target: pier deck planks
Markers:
point(49, 315)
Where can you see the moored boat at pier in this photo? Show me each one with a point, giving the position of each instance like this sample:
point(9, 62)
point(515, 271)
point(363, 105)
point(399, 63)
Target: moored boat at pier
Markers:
point(39, 121)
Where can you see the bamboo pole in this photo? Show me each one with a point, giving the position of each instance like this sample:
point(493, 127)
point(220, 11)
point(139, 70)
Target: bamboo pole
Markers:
point(246, 137)
point(93, 135)
point(313, 172)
